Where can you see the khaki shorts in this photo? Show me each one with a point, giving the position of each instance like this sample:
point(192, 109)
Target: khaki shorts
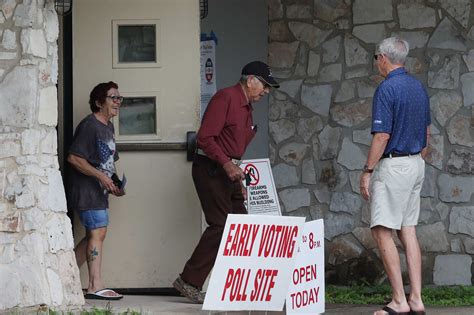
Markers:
point(395, 191)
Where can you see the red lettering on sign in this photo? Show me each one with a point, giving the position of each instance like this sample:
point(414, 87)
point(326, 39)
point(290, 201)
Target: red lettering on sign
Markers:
point(236, 283)
point(254, 236)
point(304, 298)
point(229, 239)
point(291, 248)
point(282, 247)
point(278, 241)
point(264, 282)
point(241, 242)
point(307, 274)
point(228, 282)
point(235, 241)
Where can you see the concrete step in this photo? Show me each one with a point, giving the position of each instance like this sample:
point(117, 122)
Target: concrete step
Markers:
point(165, 305)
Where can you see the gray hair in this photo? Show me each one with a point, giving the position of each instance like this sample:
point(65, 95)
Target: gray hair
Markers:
point(243, 78)
point(395, 49)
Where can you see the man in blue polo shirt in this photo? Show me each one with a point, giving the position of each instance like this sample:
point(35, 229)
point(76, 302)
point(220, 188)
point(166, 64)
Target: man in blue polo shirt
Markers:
point(394, 172)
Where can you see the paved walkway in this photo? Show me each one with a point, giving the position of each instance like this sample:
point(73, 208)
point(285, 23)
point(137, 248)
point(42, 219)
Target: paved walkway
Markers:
point(164, 305)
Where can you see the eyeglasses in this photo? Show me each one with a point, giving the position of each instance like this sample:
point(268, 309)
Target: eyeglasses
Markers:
point(116, 98)
point(265, 84)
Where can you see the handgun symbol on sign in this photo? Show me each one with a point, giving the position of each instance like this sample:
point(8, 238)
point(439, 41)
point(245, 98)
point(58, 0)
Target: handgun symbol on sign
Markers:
point(252, 175)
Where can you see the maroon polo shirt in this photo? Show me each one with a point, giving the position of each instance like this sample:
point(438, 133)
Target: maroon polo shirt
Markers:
point(227, 125)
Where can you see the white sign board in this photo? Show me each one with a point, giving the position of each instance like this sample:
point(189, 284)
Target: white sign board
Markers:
point(254, 264)
point(208, 72)
point(262, 197)
point(306, 291)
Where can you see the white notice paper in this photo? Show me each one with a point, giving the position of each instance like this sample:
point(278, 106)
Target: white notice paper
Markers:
point(262, 197)
point(208, 72)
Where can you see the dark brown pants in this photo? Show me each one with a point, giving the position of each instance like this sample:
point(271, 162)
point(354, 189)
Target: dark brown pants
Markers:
point(219, 196)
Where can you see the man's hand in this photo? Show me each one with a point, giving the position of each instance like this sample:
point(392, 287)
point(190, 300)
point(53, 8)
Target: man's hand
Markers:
point(364, 185)
point(424, 152)
point(244, 190)
point(233, 171)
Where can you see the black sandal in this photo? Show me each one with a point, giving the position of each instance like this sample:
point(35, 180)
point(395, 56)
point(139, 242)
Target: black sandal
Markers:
point(391, 311)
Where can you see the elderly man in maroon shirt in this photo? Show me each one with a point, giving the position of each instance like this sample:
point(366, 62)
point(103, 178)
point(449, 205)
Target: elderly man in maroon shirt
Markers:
point(226, 130)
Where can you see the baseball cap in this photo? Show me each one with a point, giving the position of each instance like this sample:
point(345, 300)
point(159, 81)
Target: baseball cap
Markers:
point(262, 71)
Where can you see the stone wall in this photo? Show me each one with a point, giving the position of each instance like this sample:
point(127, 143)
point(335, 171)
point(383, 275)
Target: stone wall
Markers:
point(322, 51)
point(37, 263)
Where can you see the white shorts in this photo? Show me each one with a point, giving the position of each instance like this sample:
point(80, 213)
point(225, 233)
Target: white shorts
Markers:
point(395, 189)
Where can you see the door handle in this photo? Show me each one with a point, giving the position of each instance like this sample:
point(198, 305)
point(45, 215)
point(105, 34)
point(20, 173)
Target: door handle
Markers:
point(190, 145)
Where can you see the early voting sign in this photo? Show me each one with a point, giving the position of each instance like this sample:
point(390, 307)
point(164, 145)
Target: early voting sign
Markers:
point(262, 196)
point(254, 263)
point(306, 291)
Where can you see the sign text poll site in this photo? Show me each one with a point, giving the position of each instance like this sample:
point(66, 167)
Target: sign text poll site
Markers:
point(254, 263)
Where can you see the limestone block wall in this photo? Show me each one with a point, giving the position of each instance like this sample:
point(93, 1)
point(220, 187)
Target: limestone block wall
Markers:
point(322, 51)
point(37, 263)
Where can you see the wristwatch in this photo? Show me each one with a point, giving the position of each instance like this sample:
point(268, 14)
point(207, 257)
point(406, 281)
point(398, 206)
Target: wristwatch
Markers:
point(366, 169)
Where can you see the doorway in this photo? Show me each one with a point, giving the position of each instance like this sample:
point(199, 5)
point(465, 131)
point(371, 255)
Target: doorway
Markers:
point(154, 228)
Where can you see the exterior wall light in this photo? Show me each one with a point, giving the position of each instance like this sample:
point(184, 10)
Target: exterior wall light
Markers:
point(63, 7)
point(203, 6)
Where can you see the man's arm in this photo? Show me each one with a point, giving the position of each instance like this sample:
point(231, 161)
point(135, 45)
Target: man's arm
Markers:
point(377, 147)
point(86, 168)
point(379, 142)
point(212, 124)
point(424, 152)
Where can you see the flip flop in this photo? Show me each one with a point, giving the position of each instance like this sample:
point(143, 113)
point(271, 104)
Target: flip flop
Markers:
point(100, 295)
point(412, 312)
point(391, 311)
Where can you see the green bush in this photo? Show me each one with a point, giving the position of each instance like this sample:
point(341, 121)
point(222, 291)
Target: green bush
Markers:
point(381, 294)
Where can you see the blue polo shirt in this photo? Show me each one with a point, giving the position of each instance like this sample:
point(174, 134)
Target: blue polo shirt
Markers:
point(401, 107)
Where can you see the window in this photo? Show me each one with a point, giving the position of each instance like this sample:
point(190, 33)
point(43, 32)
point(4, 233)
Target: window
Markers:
point(138, 118)
point(136, 43)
